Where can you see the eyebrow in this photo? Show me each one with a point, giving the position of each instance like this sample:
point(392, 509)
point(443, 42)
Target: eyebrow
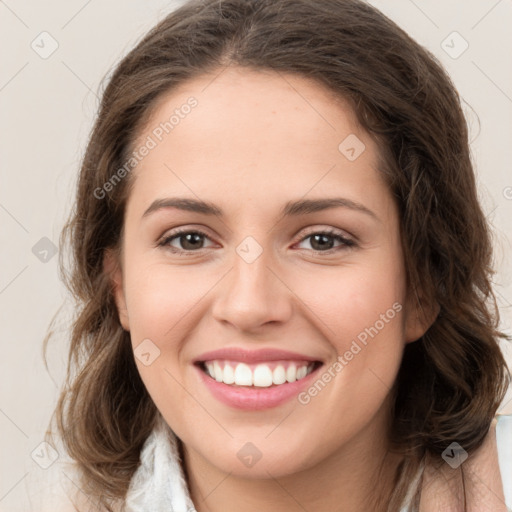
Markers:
point(290, 209)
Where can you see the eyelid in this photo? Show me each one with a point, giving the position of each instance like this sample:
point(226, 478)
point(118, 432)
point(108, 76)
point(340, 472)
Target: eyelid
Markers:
point(327, 230)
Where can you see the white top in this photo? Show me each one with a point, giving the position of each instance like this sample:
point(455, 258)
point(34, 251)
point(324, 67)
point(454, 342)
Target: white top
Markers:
point(504, 442)
point(159, 485)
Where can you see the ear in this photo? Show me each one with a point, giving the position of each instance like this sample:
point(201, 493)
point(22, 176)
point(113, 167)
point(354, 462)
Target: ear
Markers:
point(112, 269)
point(419, 316)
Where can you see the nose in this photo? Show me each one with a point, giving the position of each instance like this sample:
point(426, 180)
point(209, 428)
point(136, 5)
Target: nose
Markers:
point(253, 295)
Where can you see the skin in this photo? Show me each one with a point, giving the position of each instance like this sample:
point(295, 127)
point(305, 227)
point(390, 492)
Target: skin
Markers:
point(255, 141)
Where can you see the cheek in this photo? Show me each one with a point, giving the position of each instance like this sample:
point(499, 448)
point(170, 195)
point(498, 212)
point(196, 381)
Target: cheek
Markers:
point(352, 299)
point(360, 312)
point(161, 302)
point(159, 296)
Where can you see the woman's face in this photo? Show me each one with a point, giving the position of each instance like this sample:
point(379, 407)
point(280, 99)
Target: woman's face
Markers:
point(297, 268)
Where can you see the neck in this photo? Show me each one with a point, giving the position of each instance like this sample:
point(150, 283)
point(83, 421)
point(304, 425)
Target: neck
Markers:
point(358, 476)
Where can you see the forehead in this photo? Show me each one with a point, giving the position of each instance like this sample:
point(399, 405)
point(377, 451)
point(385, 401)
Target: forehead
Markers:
point(255, 135)
point(257, 102)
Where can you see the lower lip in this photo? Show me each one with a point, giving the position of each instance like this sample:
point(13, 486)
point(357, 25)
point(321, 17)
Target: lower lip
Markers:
point(255, 398)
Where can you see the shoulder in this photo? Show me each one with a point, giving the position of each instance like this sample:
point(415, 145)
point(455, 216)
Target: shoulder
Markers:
point(480, 478)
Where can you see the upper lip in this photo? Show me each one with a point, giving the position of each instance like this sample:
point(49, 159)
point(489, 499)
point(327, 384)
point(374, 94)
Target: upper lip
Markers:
point(252, 356)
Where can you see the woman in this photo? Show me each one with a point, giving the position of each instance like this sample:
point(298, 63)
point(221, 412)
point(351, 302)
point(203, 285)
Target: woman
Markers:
point(284, 274)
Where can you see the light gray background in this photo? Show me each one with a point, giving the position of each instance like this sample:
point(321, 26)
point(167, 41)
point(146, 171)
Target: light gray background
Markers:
point(48, 106)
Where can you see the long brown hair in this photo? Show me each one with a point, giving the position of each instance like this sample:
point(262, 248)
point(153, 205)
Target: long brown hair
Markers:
point(453, 379)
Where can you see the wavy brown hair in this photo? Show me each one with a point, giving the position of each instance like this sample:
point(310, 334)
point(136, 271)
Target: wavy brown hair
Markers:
point(453, 379)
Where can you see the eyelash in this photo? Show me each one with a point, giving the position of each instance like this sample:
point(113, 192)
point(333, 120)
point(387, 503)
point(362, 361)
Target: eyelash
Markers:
point(346, 242)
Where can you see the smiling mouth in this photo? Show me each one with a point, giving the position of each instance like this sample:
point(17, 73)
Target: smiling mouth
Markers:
point(259, 375)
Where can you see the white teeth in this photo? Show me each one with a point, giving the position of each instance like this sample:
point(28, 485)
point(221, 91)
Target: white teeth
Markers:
point(229, 374)
point(261, 375)
point(243, 375)
point(301, 372)
point(217, 371)
point(291, 373)
point(279, 375)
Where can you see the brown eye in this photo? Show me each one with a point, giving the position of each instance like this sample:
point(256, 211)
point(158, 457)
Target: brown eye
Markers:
point(184, 241)
point(323, 241)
